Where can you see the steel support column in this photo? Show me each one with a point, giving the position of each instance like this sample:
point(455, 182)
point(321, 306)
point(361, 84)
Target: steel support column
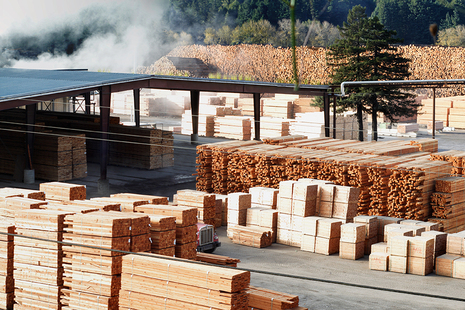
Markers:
point(326, 113)
point(30, 121)
point(87, 103)
point(136, 93)
point(195, 99)
point(256, 115)
point(105, 96)
point(434, 113)
point(334, 115)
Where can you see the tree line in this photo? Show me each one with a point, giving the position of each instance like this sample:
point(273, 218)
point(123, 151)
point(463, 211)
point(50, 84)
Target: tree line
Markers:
point(267, 21)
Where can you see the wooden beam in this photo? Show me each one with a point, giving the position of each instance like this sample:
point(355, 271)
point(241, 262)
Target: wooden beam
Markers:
point(136, 93)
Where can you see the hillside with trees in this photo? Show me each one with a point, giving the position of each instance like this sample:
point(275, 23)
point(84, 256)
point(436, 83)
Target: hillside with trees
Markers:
point(232, 22)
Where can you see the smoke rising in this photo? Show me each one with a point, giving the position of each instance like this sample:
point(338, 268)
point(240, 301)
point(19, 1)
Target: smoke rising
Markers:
point(115, 36)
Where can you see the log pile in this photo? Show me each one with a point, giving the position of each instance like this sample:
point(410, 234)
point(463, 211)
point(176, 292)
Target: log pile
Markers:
point(247, 59)
point(38, 265)
point(151, 282)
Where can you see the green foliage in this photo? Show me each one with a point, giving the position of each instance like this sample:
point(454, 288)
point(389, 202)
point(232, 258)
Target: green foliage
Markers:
point(365, 53)
point(452, 36)
point(321, 34)
point(220, 76)
point(251, 32)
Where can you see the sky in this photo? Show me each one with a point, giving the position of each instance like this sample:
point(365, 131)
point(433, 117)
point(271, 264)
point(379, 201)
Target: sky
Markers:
point(122, 33)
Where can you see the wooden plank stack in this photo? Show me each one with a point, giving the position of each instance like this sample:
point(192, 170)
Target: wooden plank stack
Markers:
point(206, 124)
point(352, 242)
point(233, 127)
point(261, 299)
point(186, 226)
point(223, 199)
point(9, 206)
point(328, 236)
point(63, 191)
point(38, 265)
point(238, 203)
point(440, 241)
point(204, 202)
point(151, 282)
point(273, 127)
point(257, 237)
point(309, 233)
point(217, 259)
point(371, 230)
point(6, 264)
point(93, 272)
point(421, 256)
point(126, 204)
point(22, 192)
point(163, 234)
point(448, 202)
point(152, 199)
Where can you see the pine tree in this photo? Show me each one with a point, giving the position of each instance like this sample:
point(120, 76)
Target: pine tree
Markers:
point(365, 53)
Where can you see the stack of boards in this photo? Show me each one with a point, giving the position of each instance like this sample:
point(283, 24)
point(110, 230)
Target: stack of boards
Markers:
point(92, 268)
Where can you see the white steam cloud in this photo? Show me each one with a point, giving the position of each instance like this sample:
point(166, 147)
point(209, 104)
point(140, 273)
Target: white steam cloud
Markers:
point(99, 35)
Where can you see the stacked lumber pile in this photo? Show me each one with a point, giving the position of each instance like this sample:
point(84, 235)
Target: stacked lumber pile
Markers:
point(221, 210)
point(137, 147)
point(440, 242)
point(352, 242)
point(93, 271)
point(454, 157)
point(278, 108)
point(238, 203)
point(204, 202)
point(376, 168)
point(411, 185)
point(272, 127)
point(83, 206)
point(448, 203)
point(163, 234)
point(22, 192)
point(217, 259)
point(151, 282)
point(247, 107)
point(151, 199)
point(328, 235)
point(443, 106)
point(297, 200)
point(310, 125)
point(452, 263)
point(204, 168)
point(371, 224)
point(206, 124)
point(6, 264)
point(9, 206)
point(234, 127)
point(57, 155)
point(304, 105)
point(426, 144)
point(257, 237)
point(186, 226)
point(456, 112)
point(263, 213)
point(38, 265)
point(261, 299)
point(63, 191)
point(309, 233)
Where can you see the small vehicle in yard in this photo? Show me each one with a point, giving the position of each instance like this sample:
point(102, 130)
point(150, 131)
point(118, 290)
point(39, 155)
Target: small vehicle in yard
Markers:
point(207, 239)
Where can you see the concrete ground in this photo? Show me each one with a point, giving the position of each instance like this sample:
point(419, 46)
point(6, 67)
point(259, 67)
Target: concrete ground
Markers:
point(286, 260)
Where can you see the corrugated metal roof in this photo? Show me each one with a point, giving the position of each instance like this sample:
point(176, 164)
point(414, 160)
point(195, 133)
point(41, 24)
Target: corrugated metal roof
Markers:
point(25, 83)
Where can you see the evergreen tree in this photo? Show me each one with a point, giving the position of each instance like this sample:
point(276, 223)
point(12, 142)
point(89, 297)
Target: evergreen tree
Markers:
point(365, 53)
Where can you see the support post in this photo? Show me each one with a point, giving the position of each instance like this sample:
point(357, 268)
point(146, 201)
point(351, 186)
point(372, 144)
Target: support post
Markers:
point(256, 115)
point(434, 113)
point(105, 96)
point(136, 93)
point(326, 113)
point(334, 115)
point(29, 176)
point(195, 99)
point(87, 102)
